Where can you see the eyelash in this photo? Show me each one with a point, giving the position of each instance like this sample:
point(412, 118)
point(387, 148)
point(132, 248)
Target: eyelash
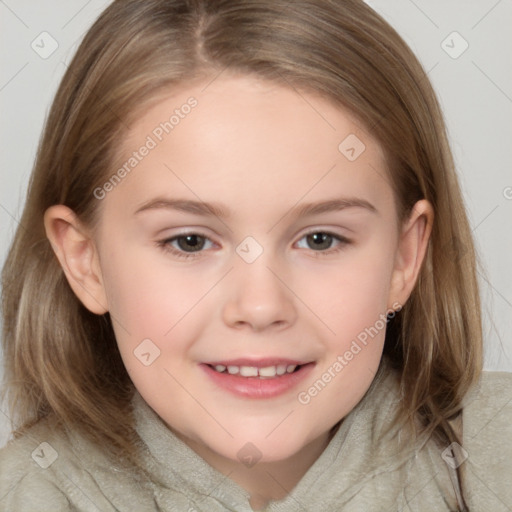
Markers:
point(341, 243)
point(166, 246)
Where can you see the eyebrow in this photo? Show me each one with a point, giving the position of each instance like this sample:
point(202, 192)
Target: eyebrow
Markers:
point(333, 205)
point(217, 210)
point(185, 205)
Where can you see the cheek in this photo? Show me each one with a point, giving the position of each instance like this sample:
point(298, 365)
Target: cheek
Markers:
point(353, 304)
point(145, 294)
point(147, 302)
point(352, 294)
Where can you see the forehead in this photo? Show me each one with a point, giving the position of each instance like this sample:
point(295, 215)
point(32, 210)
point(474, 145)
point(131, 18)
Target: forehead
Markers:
point(240, 136)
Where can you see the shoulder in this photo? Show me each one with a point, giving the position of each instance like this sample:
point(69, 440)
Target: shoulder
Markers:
point(26, 479)
point(49, 469)
point(487, 434)
point(488, 405)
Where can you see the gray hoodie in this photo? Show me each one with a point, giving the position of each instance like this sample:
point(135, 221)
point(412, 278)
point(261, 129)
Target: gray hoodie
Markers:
point(46, 471)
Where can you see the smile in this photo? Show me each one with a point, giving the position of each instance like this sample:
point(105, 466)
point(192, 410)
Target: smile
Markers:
point(257, 379)
point(268, 372)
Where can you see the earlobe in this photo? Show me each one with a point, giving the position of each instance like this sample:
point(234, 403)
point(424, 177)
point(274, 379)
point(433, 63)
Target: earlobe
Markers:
point(77, 255)
point(411, 251)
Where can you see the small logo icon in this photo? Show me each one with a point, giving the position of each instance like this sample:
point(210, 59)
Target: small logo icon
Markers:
point(146, 352)
point(454, 455)
point(249, 455)
point(351, 147)
point(454, 45)
point(45, 455)
point(44, 45)
point(249, 250)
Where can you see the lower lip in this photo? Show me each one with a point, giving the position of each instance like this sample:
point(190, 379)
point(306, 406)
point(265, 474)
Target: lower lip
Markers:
point(255, 387)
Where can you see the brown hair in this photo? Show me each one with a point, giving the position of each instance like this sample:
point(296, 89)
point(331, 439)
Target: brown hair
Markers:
point(62, 361)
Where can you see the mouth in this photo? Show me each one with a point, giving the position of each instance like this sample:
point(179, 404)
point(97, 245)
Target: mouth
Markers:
point(265, 372)
point(264, 378)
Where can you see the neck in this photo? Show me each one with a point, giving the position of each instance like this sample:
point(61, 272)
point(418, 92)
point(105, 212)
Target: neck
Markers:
point(266, 481)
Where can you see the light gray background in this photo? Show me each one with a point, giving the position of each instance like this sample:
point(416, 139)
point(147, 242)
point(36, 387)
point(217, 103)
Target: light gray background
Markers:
point(475, 90)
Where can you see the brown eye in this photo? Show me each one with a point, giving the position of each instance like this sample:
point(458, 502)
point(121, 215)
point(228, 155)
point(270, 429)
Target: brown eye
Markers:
point(189, 243)
point(319, 241)
point(322, 242)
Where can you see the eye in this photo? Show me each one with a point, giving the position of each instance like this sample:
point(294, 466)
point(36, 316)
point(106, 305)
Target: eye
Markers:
point(187, 244)
point(190, 243)
point(320, 241)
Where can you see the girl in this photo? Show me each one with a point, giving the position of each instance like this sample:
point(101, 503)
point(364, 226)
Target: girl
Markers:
point(244, 277)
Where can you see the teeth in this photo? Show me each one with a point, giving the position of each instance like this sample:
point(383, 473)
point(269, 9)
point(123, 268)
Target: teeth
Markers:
point(248, 371)
point(269, 371)
point(252, 371)
point(281, 369)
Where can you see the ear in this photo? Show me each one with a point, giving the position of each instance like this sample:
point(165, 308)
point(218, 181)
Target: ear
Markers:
point(412, 247)
point(77, 255)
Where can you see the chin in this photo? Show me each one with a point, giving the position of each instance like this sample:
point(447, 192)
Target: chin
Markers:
point(274, 448)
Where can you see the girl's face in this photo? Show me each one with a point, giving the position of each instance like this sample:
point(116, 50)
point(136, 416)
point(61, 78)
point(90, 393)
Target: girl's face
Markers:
point(248, 257)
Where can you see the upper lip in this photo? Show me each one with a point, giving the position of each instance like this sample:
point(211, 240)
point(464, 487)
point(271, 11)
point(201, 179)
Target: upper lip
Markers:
point(258, 363)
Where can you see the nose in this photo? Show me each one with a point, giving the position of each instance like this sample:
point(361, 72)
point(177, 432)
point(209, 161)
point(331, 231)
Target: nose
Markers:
point(258, 300)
